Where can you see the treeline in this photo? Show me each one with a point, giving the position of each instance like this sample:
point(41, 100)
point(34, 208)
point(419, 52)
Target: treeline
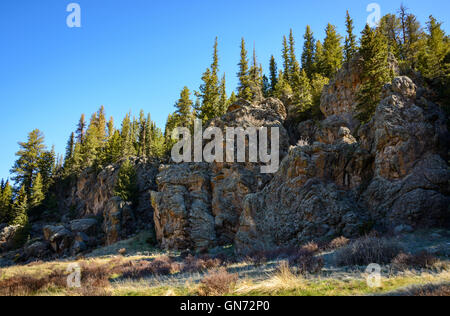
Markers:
point(299, 80)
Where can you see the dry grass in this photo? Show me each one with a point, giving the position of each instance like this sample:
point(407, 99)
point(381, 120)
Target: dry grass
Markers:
point(338, 242)
point(367, 250)
point(217, 283)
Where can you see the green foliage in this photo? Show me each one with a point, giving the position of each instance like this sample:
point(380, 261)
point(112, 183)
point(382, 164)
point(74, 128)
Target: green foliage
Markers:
point(273, 75)
point(37, 192)
point(20, 217)
point(126, 187)
point(375, 74)
point(332, 52)
point(308, 52)
point(317, 84)
point(350, 39)
point(244, 90)
point(29, 157)
point(6, 194)
point(302, 95)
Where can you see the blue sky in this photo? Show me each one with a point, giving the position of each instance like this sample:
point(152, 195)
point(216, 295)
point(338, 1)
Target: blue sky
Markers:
point(133, 54)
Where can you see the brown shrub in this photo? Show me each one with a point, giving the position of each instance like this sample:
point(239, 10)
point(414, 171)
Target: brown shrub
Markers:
point(367, 250)
point(21, 286)
point(162, 265)
point(304, 261)
point(311, 247)
point(338, 243)
point(217, 283)
point(427, 290)
point(193, 264)
point(422, 260)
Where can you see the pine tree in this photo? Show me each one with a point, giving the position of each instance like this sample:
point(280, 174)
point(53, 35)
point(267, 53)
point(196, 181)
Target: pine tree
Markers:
point(255, 75)
point(390, 27)
point(232, 99)
point(209, 90)
point(308, 52)
point(283, 90)
point(5, 202)
point(273, 75)
point(375, 74)
point(37, 192)
point(29, 157)
point(350, 39)
point(294, 66)
point(319, 59)
point(20, 208)
point(101, 125)
point(149, 127)
point(302, 95)
point(244, 90)
point(184, 108)
point(286, 60)
point(110, 127)
point(127, 147)
point(47, 165)
point(81, 129)
point(126, 187)
point(142, 143)
point(437, 49)
point(70, 147)
point(223, 100)
point(332, 52)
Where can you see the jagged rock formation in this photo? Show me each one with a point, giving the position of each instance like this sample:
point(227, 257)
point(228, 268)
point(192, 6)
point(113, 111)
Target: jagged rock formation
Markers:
point(394, 176)
point(199, 205)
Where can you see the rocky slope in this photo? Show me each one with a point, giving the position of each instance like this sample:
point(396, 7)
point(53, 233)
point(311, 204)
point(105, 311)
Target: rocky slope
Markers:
point(342, 178)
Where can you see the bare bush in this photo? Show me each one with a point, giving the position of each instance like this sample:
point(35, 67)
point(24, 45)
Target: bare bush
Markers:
point(217, 283)
point(367, 250)
point(422, 260)
point(304, 261)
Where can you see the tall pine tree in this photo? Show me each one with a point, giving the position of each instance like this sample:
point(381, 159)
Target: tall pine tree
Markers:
point(350, 39)
point(308, 52)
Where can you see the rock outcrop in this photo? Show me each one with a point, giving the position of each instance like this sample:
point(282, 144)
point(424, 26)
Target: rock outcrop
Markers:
point(199, 205)
point(392, 176)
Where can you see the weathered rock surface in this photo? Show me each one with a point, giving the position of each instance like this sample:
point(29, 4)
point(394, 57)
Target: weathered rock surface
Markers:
point(7, 235)
point(183, 216)
point(199, 205)
point(394, 176)
point(118, 220)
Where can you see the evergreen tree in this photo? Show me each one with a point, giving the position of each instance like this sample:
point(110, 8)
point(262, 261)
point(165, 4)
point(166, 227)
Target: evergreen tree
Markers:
point(375, 74)
point(223, 100)
point(273, 75)
point(255, 75)
point(302, 96)
point(437, 48)
point(142, 143)
point(126, 187)
point(332, 52)
point(286, 60)
point(317, 84)
point(244, 90)
point(283, 90)
point(149, 127)
point(70, 147)
point(81, 129)
point(29, 156)
point(308, 52)
point(20, 208)
point(37, 192)
point(232, 99)
point(350, 39)
point(319, 59)
point(5, 202)
point(209, 90)
point(184, 109)
point(110, 127)
point(127, 147)
point(294, 67)
point(47, 165)
point(390, 27)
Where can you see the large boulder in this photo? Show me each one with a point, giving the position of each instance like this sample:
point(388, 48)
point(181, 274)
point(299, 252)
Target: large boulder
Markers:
point(7, 236)
point(183, 216)
point(59, 237)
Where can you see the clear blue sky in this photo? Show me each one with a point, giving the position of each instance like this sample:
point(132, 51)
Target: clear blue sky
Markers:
point(133, 54)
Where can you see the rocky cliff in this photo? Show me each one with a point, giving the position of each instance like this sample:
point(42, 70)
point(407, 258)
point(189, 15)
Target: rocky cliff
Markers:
point(341, 179)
